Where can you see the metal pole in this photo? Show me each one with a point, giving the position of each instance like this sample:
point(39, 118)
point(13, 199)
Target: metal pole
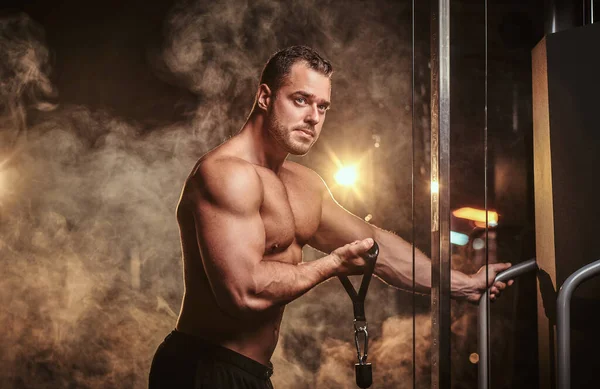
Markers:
point(588, 12)
point(440, 194)
point(504, 276)
point(563, 320)
point(563, 15)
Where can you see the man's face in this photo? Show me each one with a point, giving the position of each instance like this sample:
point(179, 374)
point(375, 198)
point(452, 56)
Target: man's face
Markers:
point(297, 112)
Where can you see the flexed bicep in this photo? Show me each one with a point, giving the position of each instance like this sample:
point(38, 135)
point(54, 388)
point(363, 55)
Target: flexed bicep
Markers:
point(225, 200)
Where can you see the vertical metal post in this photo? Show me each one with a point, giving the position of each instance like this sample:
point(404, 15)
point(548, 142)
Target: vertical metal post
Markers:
point(440, 194)
point(483, 349)
point(588, 12)
point(563, 320)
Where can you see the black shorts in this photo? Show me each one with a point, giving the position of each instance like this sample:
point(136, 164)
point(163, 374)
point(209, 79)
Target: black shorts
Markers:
point(184, 361)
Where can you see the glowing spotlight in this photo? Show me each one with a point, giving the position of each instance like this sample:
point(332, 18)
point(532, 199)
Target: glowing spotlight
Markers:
point(346, 175)
point(435, 187)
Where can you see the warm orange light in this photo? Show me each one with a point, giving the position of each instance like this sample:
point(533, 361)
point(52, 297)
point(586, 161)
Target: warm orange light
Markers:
point(477, 215)
point(346, 176)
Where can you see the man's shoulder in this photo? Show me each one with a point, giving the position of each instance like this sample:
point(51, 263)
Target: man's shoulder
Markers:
point(223, 177)
point(221, 164)
point(306, 175)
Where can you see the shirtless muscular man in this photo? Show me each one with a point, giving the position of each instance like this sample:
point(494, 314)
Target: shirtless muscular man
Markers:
point(244, 215)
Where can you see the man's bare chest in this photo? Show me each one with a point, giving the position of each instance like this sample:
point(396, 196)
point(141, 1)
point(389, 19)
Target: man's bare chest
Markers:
point(290, 211)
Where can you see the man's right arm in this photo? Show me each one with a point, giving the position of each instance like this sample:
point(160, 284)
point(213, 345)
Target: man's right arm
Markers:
point(226, 196)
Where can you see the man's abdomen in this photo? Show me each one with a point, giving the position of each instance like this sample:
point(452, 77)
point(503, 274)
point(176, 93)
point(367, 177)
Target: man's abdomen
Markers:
point(255, 338)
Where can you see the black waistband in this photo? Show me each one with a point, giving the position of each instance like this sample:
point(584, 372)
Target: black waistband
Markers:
point(222, 354)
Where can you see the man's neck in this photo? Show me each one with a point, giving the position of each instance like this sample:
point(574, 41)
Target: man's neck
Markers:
point(262, 149)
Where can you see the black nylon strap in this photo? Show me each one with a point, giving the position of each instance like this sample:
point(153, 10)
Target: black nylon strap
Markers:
point(358, 299)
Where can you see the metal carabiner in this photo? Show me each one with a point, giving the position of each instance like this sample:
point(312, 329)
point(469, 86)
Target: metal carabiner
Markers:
point(362, 359)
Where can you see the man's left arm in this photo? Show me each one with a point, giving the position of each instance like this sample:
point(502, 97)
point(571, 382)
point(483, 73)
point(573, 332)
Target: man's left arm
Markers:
point(394, 266)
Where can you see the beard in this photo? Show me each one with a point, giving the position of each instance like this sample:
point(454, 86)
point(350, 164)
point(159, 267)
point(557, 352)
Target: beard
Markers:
point(284, 138)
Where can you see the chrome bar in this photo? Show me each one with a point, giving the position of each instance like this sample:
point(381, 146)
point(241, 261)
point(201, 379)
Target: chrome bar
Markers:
point(510, 273)
point(563, 320)
point(440, 194)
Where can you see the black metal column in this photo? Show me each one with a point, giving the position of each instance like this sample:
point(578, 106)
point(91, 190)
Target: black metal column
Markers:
point(566, 82)
point(440, 194)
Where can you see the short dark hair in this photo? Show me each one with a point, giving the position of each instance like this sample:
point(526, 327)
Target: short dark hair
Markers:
point(278, 67)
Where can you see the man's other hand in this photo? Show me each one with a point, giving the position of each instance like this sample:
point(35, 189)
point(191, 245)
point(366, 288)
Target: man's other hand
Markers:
point(479, 282)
